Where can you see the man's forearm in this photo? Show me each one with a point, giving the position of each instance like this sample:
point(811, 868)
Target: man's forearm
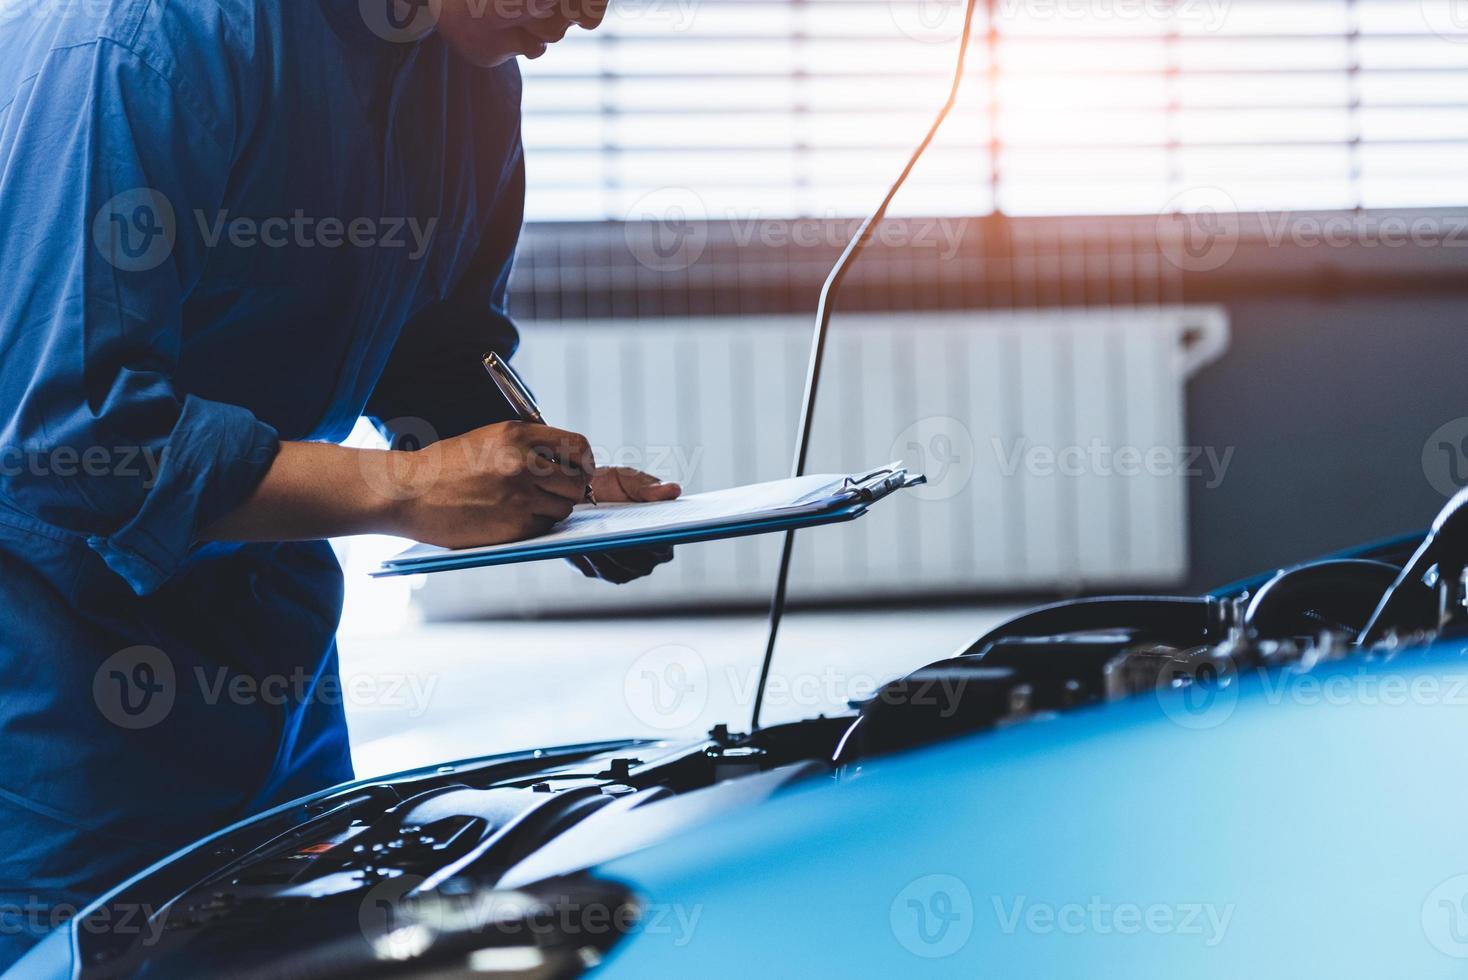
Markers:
point(317, 490)
point(488, 486)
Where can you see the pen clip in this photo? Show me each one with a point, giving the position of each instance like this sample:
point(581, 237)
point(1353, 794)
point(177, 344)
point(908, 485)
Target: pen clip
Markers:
point(514, 389)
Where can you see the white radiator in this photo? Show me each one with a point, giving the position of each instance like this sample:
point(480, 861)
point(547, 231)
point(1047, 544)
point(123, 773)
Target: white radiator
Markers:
point(1055, 442)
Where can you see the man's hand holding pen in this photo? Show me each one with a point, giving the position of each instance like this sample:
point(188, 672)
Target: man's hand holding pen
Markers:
point(612, 485)
point(517, 480)
point(493, 485)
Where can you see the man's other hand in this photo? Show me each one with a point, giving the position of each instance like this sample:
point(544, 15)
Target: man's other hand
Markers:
point(615, 485)
point(624, 485)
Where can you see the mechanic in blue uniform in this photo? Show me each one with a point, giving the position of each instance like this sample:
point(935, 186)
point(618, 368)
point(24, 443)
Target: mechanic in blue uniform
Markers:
point(229, 229)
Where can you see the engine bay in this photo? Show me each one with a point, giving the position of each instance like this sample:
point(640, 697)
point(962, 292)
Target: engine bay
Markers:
point(487, 867)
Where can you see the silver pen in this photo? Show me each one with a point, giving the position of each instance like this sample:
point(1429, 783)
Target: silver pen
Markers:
point(520, 399)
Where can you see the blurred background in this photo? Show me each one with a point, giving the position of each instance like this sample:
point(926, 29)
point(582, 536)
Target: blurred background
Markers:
point(1177, 296)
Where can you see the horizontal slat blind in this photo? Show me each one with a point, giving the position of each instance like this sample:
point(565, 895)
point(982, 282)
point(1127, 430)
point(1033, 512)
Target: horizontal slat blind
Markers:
point(784, 108)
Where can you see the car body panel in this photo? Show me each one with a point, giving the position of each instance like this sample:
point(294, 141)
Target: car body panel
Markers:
point(1314, 821)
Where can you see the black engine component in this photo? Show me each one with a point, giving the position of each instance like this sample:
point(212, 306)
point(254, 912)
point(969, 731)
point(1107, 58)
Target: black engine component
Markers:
point(940, 701)
point(1446, 549)
point(1329, 595)
point(1008, 679)
point(1063, 672)
point(1177, 620)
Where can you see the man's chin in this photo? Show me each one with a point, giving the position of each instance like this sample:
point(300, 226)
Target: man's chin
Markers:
point(481, 58)
point(495, 50)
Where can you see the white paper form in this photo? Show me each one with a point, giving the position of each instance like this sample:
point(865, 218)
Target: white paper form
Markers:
point(589, 523)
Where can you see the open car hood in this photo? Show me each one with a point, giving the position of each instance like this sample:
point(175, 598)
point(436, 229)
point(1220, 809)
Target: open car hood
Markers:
point(1237, 754)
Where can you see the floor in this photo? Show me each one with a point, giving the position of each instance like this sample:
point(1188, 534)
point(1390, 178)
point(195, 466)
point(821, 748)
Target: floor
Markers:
point(421, 695)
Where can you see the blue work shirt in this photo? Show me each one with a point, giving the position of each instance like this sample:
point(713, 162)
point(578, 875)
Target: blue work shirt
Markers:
point(223, 224)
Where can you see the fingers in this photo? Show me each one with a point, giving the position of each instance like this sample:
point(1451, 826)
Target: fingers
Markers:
point(616, 571)
point(549, 506)
point(655, 490)
point(621, 567)
point(568, 447)
point(639, 487)
point(558, 461)
point(553, 479)
point(658, 556)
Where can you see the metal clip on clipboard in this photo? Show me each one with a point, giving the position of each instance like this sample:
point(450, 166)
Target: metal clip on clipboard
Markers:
point(881, 482)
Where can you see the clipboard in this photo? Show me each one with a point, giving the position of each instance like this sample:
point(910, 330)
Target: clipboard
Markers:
point(848, 501)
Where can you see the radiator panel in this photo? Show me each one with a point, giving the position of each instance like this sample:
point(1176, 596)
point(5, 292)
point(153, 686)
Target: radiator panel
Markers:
point(1008, 412)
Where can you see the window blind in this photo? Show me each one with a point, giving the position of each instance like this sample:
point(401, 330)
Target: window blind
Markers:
point(742, 109)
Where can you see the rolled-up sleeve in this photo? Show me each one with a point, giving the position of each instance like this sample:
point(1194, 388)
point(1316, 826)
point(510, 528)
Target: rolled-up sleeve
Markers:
point(105, 164)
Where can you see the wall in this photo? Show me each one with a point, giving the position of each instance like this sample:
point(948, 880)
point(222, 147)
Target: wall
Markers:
point(1328, 404)
point(1347, 352)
